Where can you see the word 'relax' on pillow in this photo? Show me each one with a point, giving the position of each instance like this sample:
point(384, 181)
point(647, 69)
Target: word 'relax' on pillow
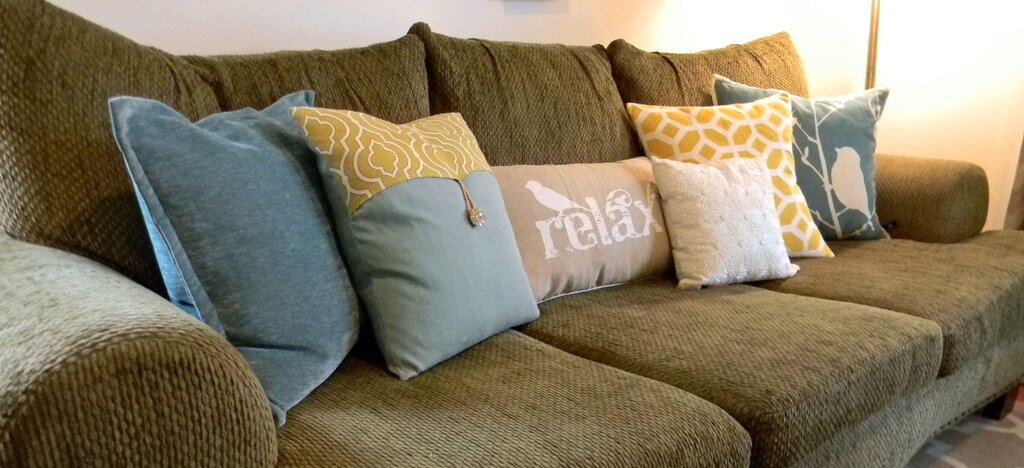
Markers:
point(722, 222)
point(680, 79)
point(423, 227)
point(583, 226)
point(761, 130)
point(242, 236)
point(834, 147)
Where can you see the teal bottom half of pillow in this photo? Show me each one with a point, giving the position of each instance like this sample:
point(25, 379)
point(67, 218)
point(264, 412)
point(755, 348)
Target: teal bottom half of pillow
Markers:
point(432, 283)
point(241, 230)
point(834, 150)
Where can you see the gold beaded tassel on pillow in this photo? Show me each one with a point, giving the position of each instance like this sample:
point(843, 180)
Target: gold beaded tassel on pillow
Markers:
point(476, 217)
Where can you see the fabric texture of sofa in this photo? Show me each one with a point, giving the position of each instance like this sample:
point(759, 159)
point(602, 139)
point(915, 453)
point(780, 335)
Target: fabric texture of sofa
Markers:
point(855, 361)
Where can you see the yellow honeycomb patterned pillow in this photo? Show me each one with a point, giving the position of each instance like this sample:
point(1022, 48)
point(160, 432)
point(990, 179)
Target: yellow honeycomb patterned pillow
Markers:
point(761, 129)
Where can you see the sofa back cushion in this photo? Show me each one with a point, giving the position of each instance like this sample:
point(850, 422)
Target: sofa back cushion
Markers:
point(666, 79)
point(530, 103)
point(62, 180)
point(387, 80)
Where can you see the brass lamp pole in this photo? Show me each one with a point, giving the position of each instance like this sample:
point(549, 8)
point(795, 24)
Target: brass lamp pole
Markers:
point(869, 80)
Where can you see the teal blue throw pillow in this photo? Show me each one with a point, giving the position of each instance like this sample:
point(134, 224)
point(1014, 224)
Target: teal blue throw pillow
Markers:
point(423, 227)
point(239, 224)
point(834, 149)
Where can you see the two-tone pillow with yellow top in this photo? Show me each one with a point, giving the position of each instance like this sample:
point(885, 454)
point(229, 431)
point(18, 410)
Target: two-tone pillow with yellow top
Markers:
point(761, 129)
point(423, 229)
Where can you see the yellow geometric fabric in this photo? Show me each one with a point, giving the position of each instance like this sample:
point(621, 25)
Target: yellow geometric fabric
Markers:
point(761, 129)
point(367, 154)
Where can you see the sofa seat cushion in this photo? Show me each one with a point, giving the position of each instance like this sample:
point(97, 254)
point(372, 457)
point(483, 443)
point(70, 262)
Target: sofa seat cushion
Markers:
point(974, 289)
point(793, 370)
point(511, 400)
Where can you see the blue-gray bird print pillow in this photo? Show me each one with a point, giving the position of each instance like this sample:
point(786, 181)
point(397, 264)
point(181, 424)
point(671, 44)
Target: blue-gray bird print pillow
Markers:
point(834, 148)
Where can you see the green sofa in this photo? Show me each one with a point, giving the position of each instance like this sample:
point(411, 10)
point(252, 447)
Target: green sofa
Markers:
point(855, 361)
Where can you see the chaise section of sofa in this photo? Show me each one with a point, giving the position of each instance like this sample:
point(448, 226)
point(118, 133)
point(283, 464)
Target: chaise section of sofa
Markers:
point(96, 370)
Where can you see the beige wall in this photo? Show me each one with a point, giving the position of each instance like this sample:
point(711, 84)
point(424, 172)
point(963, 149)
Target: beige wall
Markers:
point(956, 72)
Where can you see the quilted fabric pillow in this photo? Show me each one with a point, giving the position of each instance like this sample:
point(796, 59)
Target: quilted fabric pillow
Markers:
point(423, 227)
point(582, 226)
point(834, 148)
point(237, 218)
point(761, 130)
point(722, 222)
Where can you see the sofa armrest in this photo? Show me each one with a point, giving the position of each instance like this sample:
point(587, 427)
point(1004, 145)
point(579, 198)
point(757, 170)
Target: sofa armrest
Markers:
point(96, 370)
point(930, 200)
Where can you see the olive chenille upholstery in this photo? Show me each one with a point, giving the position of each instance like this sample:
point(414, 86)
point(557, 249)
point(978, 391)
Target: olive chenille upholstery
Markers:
point(96, 370)
point(793, 370)
point(854, 362)
point(530, 103)
point(510, 401)
point(62, 179)
point(387, 80)
point(974, 290)
point(668, 79)
point(915, 192)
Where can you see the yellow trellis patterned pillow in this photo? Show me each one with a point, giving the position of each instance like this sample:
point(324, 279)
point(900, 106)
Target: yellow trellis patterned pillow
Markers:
point(761, 129)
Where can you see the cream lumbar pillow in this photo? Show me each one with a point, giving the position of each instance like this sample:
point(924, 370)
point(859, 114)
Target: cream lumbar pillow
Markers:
point(761, 130)
point(721, 222)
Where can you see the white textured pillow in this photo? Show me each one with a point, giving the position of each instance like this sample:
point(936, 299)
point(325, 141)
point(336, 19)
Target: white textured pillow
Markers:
point(721, 222)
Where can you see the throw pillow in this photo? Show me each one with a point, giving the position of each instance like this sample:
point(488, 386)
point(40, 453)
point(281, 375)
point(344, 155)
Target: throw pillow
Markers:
point(761, 130)
point(722, 222)
point(582, 226)
point(423, 227)
point(237, 218)
point(834, 148)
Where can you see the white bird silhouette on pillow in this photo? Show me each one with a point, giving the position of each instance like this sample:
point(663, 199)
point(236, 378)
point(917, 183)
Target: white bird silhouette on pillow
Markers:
point(848, 181)
point(551, 198)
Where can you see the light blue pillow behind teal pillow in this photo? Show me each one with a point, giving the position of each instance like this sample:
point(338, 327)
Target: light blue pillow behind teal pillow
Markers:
point(238, 221)
point(834, 149)
point(423, 227)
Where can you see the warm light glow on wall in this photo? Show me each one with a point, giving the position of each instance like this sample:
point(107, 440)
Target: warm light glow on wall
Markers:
point(687, 25)
point(956, 71)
